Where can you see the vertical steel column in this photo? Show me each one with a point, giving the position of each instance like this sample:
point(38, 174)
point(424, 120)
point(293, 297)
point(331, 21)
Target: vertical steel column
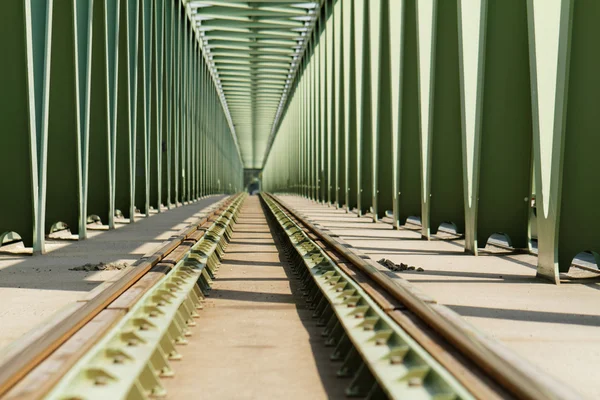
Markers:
point(323, 116)
point(25, 117)
point(83, 22)
point(409, 197)
point(396, 49)
point(113, 50)
point(446, 198)
point(381, 108)
point(496, 121)
point(102, 103)
point(159, 59)
point(363, 110)
point(147, 13)
point(64, 158)
point(426, 34)
point(550, 24)
point(177, 56)
point(330, 146)
point(126, 110)
point(338, 143)
point(350, 107)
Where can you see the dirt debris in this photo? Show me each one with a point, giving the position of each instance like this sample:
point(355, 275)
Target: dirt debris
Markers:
point(113, 266)
point(389, 264)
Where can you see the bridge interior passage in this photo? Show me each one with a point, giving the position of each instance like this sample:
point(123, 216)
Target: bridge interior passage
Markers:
point(478, 113)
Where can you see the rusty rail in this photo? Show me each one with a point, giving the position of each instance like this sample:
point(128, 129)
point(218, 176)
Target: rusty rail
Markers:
point(25, 355)
point(516, 376)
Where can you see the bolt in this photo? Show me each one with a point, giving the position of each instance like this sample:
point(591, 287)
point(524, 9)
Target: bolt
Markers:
point(119, 359)
point(395, 360)
point(101, 381)
point(415, 382)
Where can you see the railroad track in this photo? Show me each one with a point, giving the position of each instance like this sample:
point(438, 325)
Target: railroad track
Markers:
point(119, 340)
point(392, 341)
point(388, 341)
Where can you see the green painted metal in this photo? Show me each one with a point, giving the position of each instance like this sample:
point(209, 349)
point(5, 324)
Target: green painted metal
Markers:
point(364, 153)
point(446, 201)
point(100, 113)
point(107, 112)
point(381, 108)
point(130, 360)
point(402, 106)
point(338, 142)
point(549, 48)
point(498, 135)
point(378, 355)
point(249, 43)
point(445, 111)
point(351, 148)
point(396, 40)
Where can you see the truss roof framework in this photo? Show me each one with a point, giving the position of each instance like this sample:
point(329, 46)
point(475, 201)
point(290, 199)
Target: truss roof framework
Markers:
point(254, 49)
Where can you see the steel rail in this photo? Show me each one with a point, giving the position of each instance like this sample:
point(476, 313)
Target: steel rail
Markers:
point(516, 376)
point(381, 357)
point(25, 355)
point(130, 359)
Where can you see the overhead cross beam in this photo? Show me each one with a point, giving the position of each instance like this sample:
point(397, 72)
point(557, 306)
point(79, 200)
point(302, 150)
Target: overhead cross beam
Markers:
point(253, 49)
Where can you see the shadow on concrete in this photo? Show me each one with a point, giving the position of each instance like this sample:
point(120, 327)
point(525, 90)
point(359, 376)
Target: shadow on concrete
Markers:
point(255, 297)
point(406, 252)
point(251, 279)
point(249, 243)
point(249, 263)
point(51, 271)
point(334, 386)
point(475, 275)
point(529, 316)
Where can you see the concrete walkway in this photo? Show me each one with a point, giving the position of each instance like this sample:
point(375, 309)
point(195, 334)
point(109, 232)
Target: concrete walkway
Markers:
point(32, 289)
point(255, 339)
point(557, 328)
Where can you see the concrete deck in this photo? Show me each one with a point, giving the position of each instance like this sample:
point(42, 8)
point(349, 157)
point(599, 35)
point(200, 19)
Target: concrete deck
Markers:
point(255, 338)
point(32, 289)
point(556, 328)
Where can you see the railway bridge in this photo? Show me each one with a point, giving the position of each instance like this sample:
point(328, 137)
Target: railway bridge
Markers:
point(303, 199)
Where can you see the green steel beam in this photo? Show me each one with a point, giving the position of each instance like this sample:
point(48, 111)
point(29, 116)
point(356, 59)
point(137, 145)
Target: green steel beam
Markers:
point(108, 112)
point(406, 106)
